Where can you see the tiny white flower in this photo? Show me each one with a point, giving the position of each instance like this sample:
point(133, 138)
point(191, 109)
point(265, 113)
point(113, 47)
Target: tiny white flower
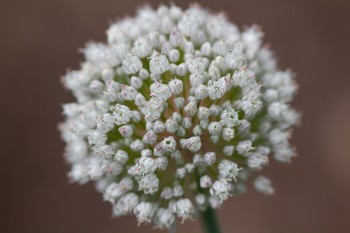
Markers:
point(263, 185)
point(174, 55)
point(169, 144)
point(209, 158)
point(220, 190)
point(159, 63)
point(244, 147)
point(164, 218)
point(214, 128)
point(193, 143)
point(176, 38)
point(228, 134)
point(191, 108)
point(122, 114)
point(125, 204)
point(205, 181)
point(144, 212)
point(149, 183)
point(228, 170)
point(228, 150)
point(184, 209)
point(126, 131)
point(171, 125)
point(131, 64)
point(176, 86)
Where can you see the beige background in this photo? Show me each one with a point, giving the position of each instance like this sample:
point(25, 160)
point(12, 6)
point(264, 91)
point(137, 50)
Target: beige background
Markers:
point(39, 41)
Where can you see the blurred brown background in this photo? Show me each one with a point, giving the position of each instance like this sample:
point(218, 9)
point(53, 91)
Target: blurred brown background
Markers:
point(39, 41)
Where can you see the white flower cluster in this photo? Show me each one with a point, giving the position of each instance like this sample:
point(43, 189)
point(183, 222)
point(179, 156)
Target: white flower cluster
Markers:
point(175, 112)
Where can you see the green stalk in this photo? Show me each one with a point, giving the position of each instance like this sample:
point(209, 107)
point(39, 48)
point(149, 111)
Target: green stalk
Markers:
point(210, 221)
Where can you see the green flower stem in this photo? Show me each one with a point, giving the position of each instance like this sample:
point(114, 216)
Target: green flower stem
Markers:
point(210, 221)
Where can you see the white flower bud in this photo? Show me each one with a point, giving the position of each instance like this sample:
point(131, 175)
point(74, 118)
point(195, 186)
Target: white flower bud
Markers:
point(179, 102)
point(176, 86)
point(181, 172)
point(107, 74)
point(162, 163)
point(215, 110)
point(191, 108)
point(196, 64)
point(244, 147)
point(181, 131)
point(228, 150)
point(184, 209)
point(174, 55)
point(203, 113)
point(146, 153)
point(143, 74)
point(96, 86)
point(196, 79)
point(209, 158)
point(205, 181)
point(216, 89)
point(131, 64)
point(146, 165)
point(215, 138)
point(115, 190)
point(126, 131)
point(136, 82)
point(125, 204)
point(206, 49)
point(188, 47)
point(166, 48)
point(263, 185)
point(158, 127)
point(214, 128)
point(172, 68)
point(164, 218)
point(137, 145)
point(101, 106)
point(167, 193)
point(229, 117)
point(150, 137)
point(228, 134)
point(169, 144)
point(181, 70)
point(276, 110)
point(257, 161)
point(201, 92)
point(140, 100)
point(176, 117)
point(187, 123)
point(204, 124)
point(193, 144)
point(243, 126)
point(220, 190)
point(171, 126)
point(144, 212)
point(214, 72)
point(175, 38)
point(228, 170)
point(159, 63)
point(128, 92)
point(121, 156)
point(189, 167)
point(158, 150)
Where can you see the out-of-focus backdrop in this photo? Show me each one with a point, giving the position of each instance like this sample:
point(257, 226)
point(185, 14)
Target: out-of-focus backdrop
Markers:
point(39, 40)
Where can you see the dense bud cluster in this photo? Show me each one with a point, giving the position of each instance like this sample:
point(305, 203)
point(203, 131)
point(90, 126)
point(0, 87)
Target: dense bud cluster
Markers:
point(175, 112)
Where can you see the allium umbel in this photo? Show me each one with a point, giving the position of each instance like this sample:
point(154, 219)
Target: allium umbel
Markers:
point(174, 113)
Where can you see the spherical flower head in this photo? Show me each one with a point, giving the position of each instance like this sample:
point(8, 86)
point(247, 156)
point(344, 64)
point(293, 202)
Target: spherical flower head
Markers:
point(175, 112)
